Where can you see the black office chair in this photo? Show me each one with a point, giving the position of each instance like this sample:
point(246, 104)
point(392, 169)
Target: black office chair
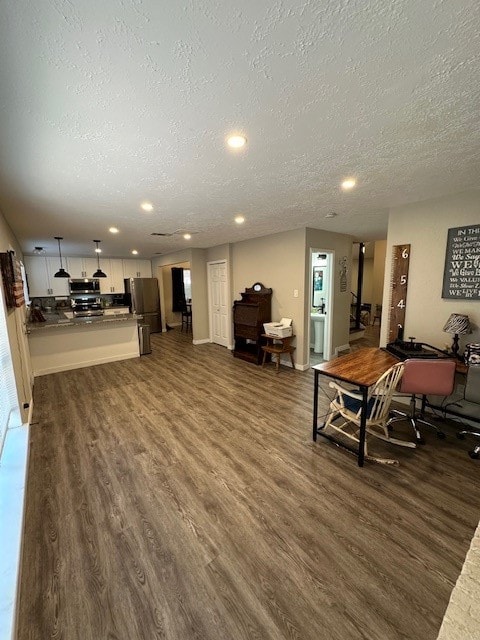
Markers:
point(187, 317)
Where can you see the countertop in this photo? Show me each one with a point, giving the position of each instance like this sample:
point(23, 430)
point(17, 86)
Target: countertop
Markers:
point(59, 319)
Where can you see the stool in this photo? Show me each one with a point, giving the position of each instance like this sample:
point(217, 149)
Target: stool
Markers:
point(282, 346)
point(187, 318)
point(378, 314)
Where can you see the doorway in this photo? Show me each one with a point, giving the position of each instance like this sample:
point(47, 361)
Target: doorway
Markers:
point(219, 307)
point(320, 305)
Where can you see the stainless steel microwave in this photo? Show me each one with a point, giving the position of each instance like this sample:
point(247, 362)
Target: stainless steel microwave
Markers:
point(84, 285)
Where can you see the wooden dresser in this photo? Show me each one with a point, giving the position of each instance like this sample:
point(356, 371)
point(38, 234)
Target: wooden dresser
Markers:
point(249, 314)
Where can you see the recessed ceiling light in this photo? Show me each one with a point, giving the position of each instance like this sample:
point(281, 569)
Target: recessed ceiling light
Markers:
point(236, 141)
point(147, 206)
point(135, 252)
point(331, 214)
point(98, 250)
point(113, 230)
point(239, 219)
point(187, 236)
point(349, 183)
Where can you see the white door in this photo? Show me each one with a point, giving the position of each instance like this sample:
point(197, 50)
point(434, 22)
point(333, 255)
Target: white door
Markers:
point(219, 311)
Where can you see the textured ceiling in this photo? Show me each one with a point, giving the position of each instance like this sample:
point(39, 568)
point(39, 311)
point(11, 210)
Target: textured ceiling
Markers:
point(106, 104)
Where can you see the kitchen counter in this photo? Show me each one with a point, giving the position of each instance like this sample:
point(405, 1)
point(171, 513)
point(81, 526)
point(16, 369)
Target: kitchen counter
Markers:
point(61, 319)
point(61, 343)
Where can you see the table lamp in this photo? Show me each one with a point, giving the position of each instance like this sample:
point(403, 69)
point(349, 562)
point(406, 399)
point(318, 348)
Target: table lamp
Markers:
point(458, 324)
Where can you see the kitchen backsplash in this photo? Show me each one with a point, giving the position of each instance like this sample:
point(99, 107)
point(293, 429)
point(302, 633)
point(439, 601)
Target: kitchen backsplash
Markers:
point(50, 303)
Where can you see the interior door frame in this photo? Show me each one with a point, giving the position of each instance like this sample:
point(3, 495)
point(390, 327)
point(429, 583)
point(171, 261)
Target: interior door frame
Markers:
point(328, 335)
point(229, 306)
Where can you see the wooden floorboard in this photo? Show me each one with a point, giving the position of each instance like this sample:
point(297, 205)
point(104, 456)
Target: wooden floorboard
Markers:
point(180, 496)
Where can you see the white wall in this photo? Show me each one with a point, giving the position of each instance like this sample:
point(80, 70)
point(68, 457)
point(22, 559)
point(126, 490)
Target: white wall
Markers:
point(278, 262)
point(16, 330)
point(424, 225)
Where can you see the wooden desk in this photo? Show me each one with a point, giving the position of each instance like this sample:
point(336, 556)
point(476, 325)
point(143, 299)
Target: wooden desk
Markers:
point(282, 346)
point(361, 368)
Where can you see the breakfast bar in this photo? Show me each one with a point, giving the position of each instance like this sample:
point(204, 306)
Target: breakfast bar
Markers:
point(63, 343)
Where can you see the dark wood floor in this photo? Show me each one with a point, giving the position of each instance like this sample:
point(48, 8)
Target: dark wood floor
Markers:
point(180, 496)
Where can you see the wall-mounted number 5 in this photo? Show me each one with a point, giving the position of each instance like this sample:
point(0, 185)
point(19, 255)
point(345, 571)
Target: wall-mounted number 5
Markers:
point(403, 279)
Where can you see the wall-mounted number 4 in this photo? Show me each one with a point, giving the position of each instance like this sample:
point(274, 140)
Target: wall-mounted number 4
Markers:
point(401, 304)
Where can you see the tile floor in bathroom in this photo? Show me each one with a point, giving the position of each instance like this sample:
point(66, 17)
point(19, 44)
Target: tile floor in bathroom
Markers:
point(371, 338)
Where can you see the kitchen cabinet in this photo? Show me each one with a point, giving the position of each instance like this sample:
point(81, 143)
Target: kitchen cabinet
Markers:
point(40, 272)
point(137, 268)
point(113, 283)
point(82, 267)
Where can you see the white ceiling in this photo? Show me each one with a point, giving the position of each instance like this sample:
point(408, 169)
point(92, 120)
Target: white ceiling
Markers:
point(104, 104)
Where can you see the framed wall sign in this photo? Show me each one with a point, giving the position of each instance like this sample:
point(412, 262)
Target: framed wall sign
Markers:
point(11, 276)
point(461, 276)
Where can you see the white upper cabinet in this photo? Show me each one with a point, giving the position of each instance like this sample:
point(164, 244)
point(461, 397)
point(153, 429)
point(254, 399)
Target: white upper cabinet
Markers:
point(113, 283)
point(82, 267)
point(41, 276)
point(144, 268)
point(41, 281)
point(58, 286)
point(137, 268)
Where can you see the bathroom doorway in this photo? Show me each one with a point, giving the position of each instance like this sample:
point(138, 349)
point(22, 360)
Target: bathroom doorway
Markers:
point(320, 305)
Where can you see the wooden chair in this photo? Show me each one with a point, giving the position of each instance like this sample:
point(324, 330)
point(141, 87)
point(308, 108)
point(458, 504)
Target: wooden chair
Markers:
point(277, 346)
point(347, 404)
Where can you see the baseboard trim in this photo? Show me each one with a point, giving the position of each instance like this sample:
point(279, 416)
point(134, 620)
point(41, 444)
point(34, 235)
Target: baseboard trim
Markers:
point(204, 341)
point(81, 365)
point(340, 348)
point(302, 367)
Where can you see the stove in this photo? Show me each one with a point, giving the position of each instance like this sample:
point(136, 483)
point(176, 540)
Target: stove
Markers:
point(86, 307)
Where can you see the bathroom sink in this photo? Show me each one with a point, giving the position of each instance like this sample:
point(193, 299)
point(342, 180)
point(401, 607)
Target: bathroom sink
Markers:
point(318, 320)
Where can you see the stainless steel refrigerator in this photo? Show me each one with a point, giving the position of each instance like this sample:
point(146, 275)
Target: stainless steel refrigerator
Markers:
point(141, 295)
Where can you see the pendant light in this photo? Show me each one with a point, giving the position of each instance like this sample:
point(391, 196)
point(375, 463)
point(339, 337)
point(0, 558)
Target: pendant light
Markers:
point(98, 273)
point(61, 273)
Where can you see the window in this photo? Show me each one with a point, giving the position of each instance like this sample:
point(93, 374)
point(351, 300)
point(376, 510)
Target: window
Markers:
point(187, 284)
